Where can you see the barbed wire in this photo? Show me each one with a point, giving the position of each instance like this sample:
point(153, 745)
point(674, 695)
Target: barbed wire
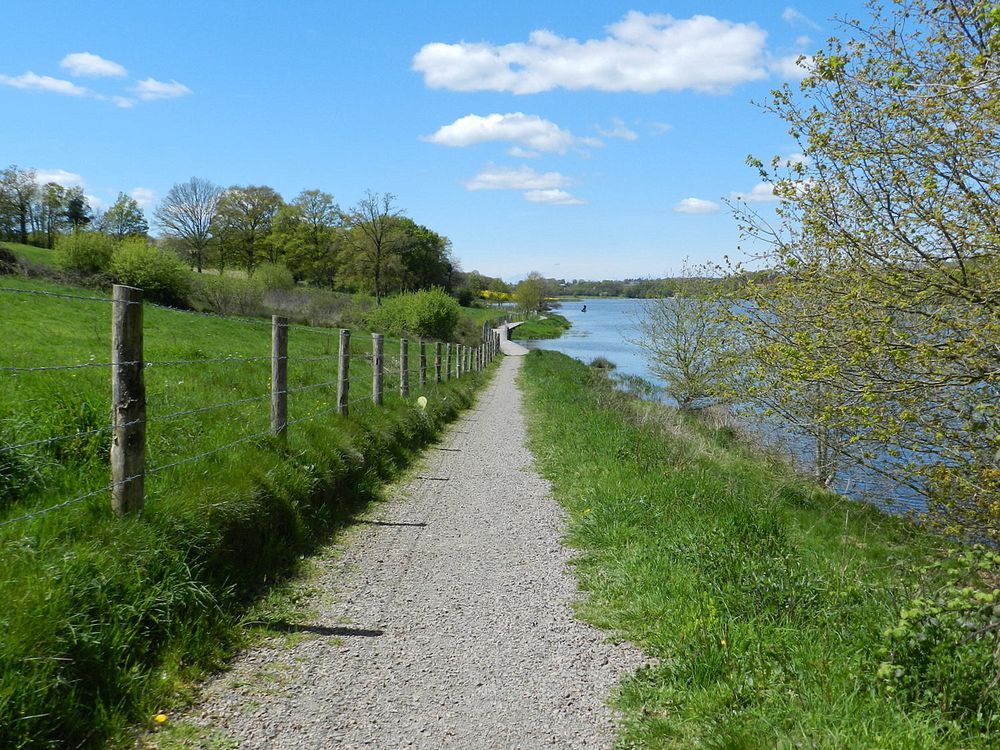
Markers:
point(213, 407)
point(66, 504)
point(211, 452)
point(40, 293)
point(60, 438)
point(210, 360)
point(52, 368)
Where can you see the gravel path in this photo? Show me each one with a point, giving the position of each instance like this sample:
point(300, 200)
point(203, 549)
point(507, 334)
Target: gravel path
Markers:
point(447, 620)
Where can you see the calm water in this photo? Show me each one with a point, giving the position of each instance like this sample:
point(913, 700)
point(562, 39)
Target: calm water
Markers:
point(607, 330)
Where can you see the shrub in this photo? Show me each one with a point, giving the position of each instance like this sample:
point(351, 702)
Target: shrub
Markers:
point(602, 363)
point(162, 276)
point(430, 313)
point(227, 295)
point(85, 252)
point(273, 276)
point(8, 261)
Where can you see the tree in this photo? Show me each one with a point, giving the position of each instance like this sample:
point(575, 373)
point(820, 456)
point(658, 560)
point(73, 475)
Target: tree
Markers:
point(52, 212)
point(17, 193)
point(307, 232)
point(685, 341)
point(425, 257)
point(374, 237)
point(243, 221)
point(124, 219)
point(186, 214)
point(889, 216)
point(78, 212)
point(531, 293)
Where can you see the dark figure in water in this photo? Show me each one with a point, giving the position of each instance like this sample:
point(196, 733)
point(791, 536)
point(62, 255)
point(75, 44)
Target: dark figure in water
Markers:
point(584, 309)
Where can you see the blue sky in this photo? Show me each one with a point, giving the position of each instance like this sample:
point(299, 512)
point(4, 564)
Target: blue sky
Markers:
point(582, 140)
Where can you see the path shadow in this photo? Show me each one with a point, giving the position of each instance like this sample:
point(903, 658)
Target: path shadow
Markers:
point(337, 630)
point(395, 523)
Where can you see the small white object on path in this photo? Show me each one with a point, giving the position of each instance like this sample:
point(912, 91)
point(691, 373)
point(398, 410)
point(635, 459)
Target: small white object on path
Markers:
point(448, 622)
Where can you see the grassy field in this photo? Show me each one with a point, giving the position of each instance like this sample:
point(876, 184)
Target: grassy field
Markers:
point(551, 326)
point(105, 621)
point(764, 602)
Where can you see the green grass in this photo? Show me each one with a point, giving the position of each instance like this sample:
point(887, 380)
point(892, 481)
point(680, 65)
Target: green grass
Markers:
point(551, 326)
point(39, 256)
point(763, 600)
point(105, 621)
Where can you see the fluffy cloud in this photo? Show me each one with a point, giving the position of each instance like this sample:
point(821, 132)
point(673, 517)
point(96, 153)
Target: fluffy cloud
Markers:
point(793, 67)
point(145, 197)
point(798, 18)
point(762, 192)
point(696, 206)
point(618, 130)
point(553, 197)
point(33, 82)
point(530, 132)
point(150, 89)
point(58, 176)
point(521, 178)
point(87, 64)
point(643, 53)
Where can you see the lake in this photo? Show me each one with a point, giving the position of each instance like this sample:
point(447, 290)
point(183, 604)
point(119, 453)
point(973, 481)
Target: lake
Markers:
point(609, 328)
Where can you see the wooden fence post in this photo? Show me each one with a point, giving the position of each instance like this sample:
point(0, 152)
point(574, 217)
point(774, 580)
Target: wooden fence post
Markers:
point(458, 360)
point(437, 361)
point(344, 371)
point(447, 361)
point(279, 376)
point(404, 368)
point(128, 403)
point(423, 363)
point(377, 349)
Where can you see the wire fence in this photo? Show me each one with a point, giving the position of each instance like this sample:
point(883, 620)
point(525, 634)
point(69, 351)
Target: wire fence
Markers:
point(425, 364)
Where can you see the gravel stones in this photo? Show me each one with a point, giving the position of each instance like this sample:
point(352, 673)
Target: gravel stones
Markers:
point(446, 620)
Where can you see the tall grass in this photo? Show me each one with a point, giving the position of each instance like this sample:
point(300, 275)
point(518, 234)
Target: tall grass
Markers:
point(103, 620)
point(763, 600)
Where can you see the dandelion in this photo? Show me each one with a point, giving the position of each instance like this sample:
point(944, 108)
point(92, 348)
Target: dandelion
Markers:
point(160, 718)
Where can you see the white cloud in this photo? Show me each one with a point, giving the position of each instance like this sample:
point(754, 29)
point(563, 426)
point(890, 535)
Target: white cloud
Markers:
point(522, 153)
point(643, 53)
point(762, 192)
point(798, 18)
point(659, 128)
point(95, 203)
point(794, 159)
point(87, 64)
point(521, 178)
point(618, 130)
point(145, 197)
point(150, 89)
point(32, 82)
point(553, 197)
point(696, 206)
point(58, 176)
point(530, 131)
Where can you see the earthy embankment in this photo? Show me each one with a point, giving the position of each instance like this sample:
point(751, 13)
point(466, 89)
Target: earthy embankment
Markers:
point(446, 620)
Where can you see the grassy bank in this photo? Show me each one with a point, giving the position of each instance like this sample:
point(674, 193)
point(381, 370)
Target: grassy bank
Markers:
point(551, 326)
point(770, 607)
point(105, 621)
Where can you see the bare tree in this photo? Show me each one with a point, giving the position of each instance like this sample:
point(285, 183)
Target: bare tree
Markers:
point(186, 214)
point(18, 188)
point(374, 234)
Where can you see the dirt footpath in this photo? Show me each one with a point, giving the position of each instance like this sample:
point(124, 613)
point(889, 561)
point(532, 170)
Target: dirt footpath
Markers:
point(446, 621)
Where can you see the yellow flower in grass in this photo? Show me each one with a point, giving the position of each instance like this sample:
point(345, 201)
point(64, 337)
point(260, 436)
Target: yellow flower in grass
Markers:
point(160, 719)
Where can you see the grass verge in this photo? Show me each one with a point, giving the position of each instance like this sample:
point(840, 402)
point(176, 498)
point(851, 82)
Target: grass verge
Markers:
point(105, 621)
point(767, 603)
point(552, 326)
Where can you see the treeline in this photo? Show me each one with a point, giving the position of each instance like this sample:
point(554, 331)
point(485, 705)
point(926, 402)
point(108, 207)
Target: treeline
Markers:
point(371, 247)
